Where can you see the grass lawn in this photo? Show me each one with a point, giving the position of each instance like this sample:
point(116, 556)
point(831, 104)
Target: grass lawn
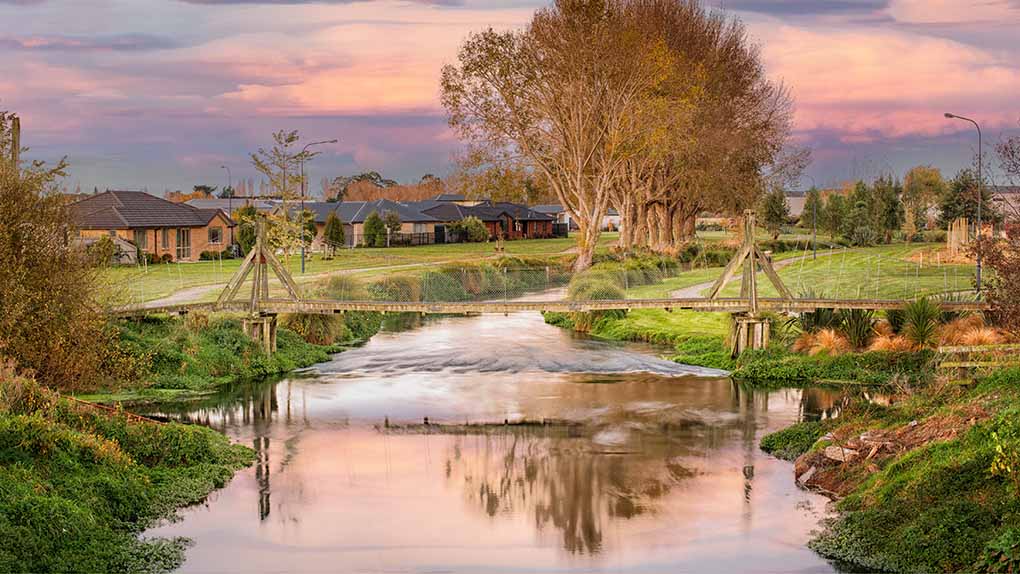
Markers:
point(883, 272)
point(138, 284)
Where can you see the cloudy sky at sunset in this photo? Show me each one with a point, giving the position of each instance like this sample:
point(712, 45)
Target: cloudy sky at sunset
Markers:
point(159, 94)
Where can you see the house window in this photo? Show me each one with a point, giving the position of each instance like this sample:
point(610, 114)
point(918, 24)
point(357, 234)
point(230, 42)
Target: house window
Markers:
point(112, 232)
point(165, 238)
point(215, 235)
point(183, 244)
point(419, 228)
point(140, 242)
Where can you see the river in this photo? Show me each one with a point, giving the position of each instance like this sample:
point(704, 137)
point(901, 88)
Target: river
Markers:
point(643, 465)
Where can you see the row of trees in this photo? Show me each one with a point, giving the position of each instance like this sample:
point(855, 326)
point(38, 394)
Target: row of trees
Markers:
point(865, 214)
point(659, 108)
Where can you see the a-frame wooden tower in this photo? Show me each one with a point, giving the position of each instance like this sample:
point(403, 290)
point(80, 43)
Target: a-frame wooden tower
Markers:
point(750, 331)
point(260, 326)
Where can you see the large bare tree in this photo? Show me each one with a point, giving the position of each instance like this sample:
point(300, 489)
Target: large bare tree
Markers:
point(562, 95)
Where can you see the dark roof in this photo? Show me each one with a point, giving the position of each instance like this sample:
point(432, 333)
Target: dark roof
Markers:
point(449, 197)
point(486, 212)
point(358, 211)
point(226, 205)
point(522, 212)
point(137, 209)
point(320, 209)
point(551, 208)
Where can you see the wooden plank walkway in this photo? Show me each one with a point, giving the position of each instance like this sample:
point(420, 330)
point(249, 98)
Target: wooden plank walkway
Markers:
point(727, 305)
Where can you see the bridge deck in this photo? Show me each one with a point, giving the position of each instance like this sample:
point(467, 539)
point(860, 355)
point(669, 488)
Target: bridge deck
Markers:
point(728, 305)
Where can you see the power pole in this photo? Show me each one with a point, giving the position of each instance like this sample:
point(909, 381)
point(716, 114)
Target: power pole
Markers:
point(15, 140)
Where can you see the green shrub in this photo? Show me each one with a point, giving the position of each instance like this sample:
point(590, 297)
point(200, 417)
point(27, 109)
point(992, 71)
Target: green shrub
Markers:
point(771, 366)
point(396, 288)
point(1002, 555)
point(316, 328)
point(77, 485)
point(438, 286)
point(593, 286)
point(896, 319)
point(921, 322)
point(704, 351)
point(1006, 441)
point(342, 287)
point(793, 441)
point(858, 325)
point(375, 231)
point(471, 229)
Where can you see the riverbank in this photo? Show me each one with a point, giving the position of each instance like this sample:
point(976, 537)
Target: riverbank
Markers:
point(929, 483)
point(79, 484)
point(180, 359)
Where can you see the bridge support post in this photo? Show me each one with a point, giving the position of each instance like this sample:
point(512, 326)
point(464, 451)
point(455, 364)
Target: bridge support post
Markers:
point(262, 330)
point(749, 332)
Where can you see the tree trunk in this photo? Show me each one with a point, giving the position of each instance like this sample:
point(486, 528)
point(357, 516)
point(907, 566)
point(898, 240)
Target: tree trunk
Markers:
point(587, 239)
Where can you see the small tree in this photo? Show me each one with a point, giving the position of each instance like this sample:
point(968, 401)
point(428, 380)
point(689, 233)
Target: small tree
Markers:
point(375, 231)
point(813, 209)
point(961, 200)
point(474, 229)
point(391, 219)
point(775, 212)
point(836, 210)
point(333, 234)
point(245, 218)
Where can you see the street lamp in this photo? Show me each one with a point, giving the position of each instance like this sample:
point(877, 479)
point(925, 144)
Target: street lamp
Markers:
point(303, 183)
point(230, 203)
point(980, 190)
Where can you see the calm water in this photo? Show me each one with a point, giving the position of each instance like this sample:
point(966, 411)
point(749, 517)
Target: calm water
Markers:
point(661, 473)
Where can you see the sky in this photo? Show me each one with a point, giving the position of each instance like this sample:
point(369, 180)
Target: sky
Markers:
point(159, 94)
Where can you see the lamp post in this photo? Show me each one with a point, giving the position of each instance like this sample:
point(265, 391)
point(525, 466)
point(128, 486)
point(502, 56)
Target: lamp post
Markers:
point(980, 190)
point(230, 204)
point(303, 180)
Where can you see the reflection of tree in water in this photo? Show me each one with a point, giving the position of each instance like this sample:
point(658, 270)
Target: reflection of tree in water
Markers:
point(565, 482)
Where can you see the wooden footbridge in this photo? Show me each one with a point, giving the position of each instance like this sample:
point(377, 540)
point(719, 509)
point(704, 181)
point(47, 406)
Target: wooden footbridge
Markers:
point(751, 330)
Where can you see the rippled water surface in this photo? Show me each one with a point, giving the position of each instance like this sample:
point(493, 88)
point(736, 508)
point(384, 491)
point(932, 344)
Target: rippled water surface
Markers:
point(643, 465)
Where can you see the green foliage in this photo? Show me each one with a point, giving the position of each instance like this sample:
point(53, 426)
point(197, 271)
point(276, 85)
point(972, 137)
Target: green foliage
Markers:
point(836, 211)
point(77, 486)
point(1002, 555)
point(961, 200)
point(812, 207)
point(333, 233)
point(342, 287)
point(374, 231)
point(895, 317)
point(471, 228)
point(315, 328)
point(391, 220)
point(197, 360)
point(775, 211)
point(594, 286)
point(771, 366)
point(921, 322)
point(704, 351)
point(437, 286)
point(858, 325)
point(933, 509)
point(245, 216)
point(1006, 440)
point(793, 441)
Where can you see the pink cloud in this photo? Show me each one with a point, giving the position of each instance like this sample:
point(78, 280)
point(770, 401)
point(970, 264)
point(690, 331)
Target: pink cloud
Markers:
point(889, 82)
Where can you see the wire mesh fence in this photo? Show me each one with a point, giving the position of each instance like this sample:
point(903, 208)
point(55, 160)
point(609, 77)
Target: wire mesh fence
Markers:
point(892, 273)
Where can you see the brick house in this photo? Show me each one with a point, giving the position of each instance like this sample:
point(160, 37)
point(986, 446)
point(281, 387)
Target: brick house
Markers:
point(152, 224)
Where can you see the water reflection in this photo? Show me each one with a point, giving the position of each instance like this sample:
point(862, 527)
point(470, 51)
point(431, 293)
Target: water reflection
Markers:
point(633, 471)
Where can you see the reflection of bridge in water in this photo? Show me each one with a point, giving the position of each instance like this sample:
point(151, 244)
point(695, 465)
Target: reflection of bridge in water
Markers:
point(750, 330)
